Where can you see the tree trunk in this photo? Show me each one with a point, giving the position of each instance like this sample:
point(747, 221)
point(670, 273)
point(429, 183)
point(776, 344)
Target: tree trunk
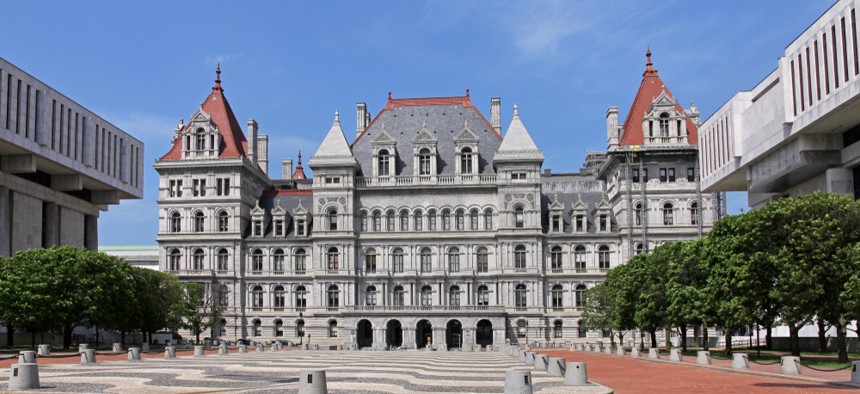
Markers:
point(768, 337)
point(841, 339)
point(794, 330)
point(668, 331)
point(822, 339)
point(653, 338)
point(67, 337)
point(684, 337)
point(10, 335)
point(728, 342)
point(33, 338)
point(122, 337)
point(705, 340)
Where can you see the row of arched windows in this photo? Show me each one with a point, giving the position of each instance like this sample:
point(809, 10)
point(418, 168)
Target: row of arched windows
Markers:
point(198, 222)
point(385, 162)
point(278, 261)
point(667, 211)
point(278, 328)
point(446, 220)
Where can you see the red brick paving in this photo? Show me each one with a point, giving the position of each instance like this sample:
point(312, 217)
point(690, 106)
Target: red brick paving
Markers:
point(629, 375)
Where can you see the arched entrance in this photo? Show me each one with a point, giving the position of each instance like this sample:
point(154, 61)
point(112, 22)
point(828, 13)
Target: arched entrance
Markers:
point(423, 334)
point(484, 333)
point(364, 334)
point(454, 334)
point(394, 334)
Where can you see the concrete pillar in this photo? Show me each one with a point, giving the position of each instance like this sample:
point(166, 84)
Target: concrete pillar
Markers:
point(82, 347)
point(91, 232)
point(530, 358)
point(675, 355)
point(541, 362)
point(243, 348)
point(5, 215)
point(199, 351)
point(556, 366)
point(170, 352)
point(840, 181)
point(789, 365)
point(88, 356)
point(134, 353)
point(653, 354)
point(855, 372)
point(44, 350)
point(117, 347)
point(607, 349)
point(222, 349)
point(312, 382)
point(23, 377)
point(27, 357)
point(518, 382)
point(260, 348)
point(740, 361)
point(576, 374)
point(635, 353)
point(620, 350)
point(703, 357)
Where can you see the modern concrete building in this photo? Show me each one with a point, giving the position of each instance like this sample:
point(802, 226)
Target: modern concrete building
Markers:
point(430, 228)
point(60, 166)
point(142, 256)
point(797, 131)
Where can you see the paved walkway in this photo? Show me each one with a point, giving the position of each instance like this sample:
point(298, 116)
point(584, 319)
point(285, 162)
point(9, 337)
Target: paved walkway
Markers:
point(628, 375)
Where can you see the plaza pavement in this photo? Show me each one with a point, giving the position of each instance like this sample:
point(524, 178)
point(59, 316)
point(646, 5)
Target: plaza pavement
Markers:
point(277, 371)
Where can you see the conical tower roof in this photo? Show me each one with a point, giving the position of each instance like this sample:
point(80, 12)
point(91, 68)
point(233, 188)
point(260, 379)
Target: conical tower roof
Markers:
point(334, 149)
point(518, 143)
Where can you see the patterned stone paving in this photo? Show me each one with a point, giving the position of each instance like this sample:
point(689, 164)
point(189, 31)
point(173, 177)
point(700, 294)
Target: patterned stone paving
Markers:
point(353, 372)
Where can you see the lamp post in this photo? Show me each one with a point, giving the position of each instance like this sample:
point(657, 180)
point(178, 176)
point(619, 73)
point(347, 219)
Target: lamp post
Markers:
point(302, 331)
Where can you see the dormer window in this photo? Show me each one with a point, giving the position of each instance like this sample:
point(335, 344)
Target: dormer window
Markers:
point(384, 163)
point(258, 228)
point(424, 162)
point(580, 223)
point(466, 165)
point(556, 223)
point(664, 124)
point(200, 140)
point(279, 228)
point(301, 228)
point(603, 222)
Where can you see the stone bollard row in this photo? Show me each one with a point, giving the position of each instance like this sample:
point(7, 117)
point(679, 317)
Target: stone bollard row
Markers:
point(703, 357)
point(117, 347)
point(24, 377)
point(223, 349)
point(675, 355)
point(541, 362)
point(607, 349)
point(27, 357)
point(740, 361)
point(653, 354)
point(518, 382)
point(199, 351)
point(556, 366)
point(169, 351)
point(243, 348)
point(44, 350)
point(530, 359)
point(635, 352)
point(134, 353)
point(312, 382)
point(82, 347)
point(789, 365)
point(88, 356)
point(260, 348)
point(576, 374)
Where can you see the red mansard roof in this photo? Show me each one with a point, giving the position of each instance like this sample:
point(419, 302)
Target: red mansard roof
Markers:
point(650, 89)
point(233, 142)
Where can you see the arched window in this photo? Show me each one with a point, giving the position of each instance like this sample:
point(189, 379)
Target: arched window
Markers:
point(257, 261)
point(637, 213)
point(482, 262)
point(332, 219)
point(603, 258)
point(454, 296)
point(399, 296)
point(483, 295)
point(466, 160)
point(488, 219)
point(332, 329)
point(279, 299)
point(579, 258)
point(333, 296)
point(364, 221)
point(301, 298)
point(377, 221)
point(278, 261)
point(300, 261)
point(197, 260)
point(694, 213)
point(580, 330)
point(639, 248)
point(520, 293)
point(333, 259)
point(397, 260)
point(174, 260)
point(300, 328)
point(520, 257)
point(556, 297)
point(557, 329)
point(222, 259)
point(418, 220)
point(223, 222)
point(426, 296)
point(200, 138)
point(279, 328)
point(668, 214)
point(175, 222)
point(370, 261)
point(473, 219)
point(370, 296)
point(519, 217)
point(431, 220)
point(384, 163)
point(522, 328)
point(454, 260)
point(461, 220)
point(424, 162)
point(579, 293)
point(555, 258)
point(446, 220)
point(404, 220)
point(426, 265)
point(664, 124)
point(199, 222)
point(257, 298)
point(389, 219)
point(258, 328)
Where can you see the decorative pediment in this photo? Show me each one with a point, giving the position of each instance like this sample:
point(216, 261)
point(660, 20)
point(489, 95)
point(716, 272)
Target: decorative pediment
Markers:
point(278, 210)
point(663, 101)
point(257, 211)
point(200, 117)
point(579, 205)
point(466, 135)
point(300, 210)
point(424, 136)
point(383, 138)
point(603, 205)
point(556, 205)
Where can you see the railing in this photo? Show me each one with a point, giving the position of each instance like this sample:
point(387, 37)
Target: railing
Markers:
point(426, 180)
point(428, 308)
point(200, 272)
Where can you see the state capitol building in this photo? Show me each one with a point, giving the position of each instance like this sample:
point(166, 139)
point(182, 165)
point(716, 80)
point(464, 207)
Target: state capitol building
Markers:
point(429, 225)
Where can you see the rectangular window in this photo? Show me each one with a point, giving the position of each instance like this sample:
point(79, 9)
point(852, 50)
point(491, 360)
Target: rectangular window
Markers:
point(645, 175)
point(300, 228)
point(518, 175)
point(332, 179)
point(556, 223)
point(671, 175)
point(482, 263)
point(222, 186)
point(604, 223)
point(258, 228)
point(635, 176)
point(279, 228)
point(199, 188)
point(691, 176)
point(662, 175)
point(580, 223)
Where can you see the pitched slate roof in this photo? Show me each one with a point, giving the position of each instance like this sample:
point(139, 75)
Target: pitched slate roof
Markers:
point(518, 142)
point(649, 89)
point(233, 142)
point(443, 118)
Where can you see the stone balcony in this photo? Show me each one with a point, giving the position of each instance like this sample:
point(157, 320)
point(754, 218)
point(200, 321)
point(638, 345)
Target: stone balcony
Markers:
point(425, 180)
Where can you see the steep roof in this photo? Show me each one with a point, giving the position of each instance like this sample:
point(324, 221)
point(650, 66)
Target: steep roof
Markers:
point(299, 173)
point(334, 143)
point(518, 143)
point(233, 142)
point(650, 88)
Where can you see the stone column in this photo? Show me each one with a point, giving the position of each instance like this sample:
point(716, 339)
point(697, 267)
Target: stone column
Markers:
point(51, 221)
point(439, 337)
point(5, 216)
point(409, 337)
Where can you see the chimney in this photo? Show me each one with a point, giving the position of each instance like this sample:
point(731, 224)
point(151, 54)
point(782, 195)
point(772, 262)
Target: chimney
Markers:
point(612, 125)
point(287, 169)
point(252, 140)
point(495, 115)
point(263, 152)
point(361, 118)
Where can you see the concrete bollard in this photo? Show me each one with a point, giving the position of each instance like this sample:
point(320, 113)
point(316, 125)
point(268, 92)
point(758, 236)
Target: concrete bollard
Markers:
point(134, 353)
point(88, 356)
point(855, 372)
point(521, 355)
point(703, 357)
point(169, 351)
point(518, 382)
point(312, 382)
point(144, 347)
point(530, 359)
point(243, 348)
point(541, 362)
point(675, 355)
point(740, 361)
point(199, 351)
point(117, 347)
point(274, 347)
point(620, 351)
point(44, 350)
point(316, 347)
point(223, 350)
point(607, 349)
point(576, 374)
point(260, 348)
point(82, 347)
point(653, 354)
point(635, 353)
point(555, 366)
point(24, 377)
point(789, 365)
point(27, 357)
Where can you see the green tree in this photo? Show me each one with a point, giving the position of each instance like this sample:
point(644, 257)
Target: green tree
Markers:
point(203, 309)
point(652, 273)
point(690, 302)
point(156, 295)
point(598, 310)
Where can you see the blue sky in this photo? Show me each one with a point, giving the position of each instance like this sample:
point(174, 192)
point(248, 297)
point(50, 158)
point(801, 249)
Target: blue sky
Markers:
point(289, 65)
